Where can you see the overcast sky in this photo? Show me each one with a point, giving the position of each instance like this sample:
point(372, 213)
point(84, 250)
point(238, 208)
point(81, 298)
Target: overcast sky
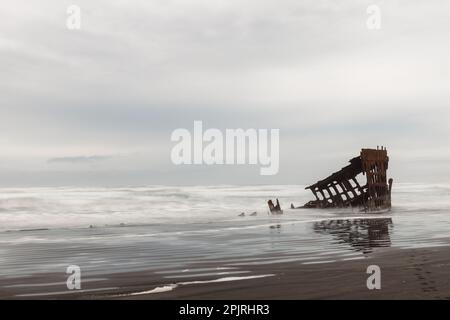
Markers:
point(97, 106)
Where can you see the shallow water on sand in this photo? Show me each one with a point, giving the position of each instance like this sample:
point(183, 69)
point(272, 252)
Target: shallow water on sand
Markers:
point(195, 232)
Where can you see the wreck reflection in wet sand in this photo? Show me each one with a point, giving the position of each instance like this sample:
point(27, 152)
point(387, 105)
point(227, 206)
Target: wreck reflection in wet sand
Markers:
point(361, 234)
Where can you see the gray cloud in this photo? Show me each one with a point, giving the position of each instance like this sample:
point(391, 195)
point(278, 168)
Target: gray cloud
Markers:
point(137, 70)
point(79, 159)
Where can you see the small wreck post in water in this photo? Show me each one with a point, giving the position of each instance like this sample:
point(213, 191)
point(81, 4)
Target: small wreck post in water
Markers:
point(342, 189)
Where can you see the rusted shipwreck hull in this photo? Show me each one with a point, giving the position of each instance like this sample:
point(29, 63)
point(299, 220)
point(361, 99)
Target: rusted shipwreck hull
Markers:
point(342, 188)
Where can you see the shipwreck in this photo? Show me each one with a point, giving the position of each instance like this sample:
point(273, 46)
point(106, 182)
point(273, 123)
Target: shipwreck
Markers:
point(344, 189)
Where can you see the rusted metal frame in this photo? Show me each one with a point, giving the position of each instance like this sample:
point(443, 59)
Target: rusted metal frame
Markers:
point(375, 193)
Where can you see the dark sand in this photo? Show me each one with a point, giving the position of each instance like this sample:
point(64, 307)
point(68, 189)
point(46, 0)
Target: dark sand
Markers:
point(405, 274)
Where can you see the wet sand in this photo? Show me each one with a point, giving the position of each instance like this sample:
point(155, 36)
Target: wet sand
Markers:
point(405, 274)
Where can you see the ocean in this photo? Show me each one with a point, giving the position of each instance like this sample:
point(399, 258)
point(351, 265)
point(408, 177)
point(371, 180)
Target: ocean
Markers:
point(197, 231)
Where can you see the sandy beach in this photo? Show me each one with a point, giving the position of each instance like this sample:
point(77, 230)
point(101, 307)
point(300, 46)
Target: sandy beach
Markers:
point(406, 274)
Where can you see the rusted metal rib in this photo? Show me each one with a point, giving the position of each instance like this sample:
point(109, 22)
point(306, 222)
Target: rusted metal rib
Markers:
point(374, 195)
